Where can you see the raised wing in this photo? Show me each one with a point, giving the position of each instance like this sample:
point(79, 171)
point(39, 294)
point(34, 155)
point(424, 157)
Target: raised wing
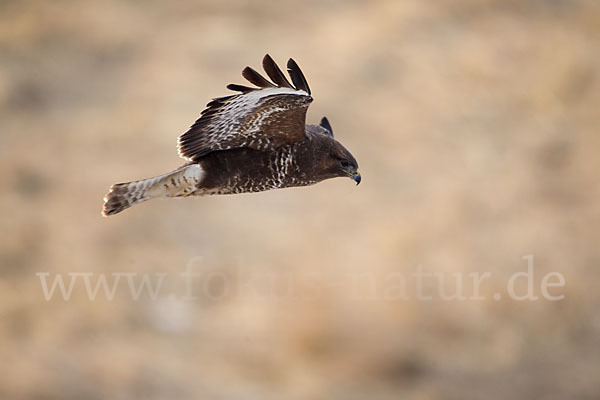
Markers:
point(262, 118)
point(325, 124)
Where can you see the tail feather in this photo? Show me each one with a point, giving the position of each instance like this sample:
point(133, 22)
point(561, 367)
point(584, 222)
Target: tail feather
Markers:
point(181, 182)
point(124, 195)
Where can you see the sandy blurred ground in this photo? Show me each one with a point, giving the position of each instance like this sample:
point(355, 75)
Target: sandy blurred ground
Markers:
point(475, 124)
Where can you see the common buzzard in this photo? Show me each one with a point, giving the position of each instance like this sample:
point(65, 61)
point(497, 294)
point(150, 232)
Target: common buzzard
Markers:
point(252, 141)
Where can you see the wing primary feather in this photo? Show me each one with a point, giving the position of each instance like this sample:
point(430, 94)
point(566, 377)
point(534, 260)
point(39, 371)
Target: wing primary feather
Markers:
point(240, 88)
point(325, 124)
point(255, 78)
point(275, 73)
point(297, 76)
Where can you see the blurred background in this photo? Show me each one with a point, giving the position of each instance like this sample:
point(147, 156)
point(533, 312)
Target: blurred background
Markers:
point(475, 124)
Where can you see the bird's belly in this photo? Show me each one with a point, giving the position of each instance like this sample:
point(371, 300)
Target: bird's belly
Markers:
point(245, 171)
point(236, 184)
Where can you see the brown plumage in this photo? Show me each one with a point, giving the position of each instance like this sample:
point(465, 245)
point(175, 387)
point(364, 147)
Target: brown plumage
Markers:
point(249, 142)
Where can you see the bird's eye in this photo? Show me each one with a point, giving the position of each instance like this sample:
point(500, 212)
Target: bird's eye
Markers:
point(344, 164)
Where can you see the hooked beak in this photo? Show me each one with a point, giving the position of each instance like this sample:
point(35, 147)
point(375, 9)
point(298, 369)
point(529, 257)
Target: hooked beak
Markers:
point(356, 177)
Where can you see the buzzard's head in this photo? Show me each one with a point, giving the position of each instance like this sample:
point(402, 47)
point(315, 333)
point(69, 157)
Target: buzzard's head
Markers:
point(333, 159)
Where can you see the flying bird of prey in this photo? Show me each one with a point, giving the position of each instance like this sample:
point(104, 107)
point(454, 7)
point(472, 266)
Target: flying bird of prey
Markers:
point(251, 141)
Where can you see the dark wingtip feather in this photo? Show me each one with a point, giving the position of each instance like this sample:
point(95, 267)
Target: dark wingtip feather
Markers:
point(297, 76)
point(325, 124)
point(272, 69)
point(240, 88)
point(255, 78)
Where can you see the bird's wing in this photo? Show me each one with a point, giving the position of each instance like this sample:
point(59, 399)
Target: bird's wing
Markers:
point(262, 118)
point(327, 126)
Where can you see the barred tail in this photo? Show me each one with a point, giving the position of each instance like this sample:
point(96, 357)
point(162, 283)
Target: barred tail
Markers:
point(181, 182)
point(124, 195)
